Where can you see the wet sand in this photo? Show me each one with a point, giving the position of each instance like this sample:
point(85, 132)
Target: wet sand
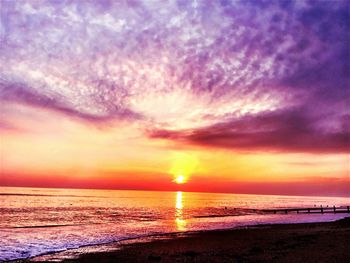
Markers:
point(312, 242)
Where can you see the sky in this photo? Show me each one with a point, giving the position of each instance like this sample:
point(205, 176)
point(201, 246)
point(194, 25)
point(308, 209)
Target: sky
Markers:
point(213, 96)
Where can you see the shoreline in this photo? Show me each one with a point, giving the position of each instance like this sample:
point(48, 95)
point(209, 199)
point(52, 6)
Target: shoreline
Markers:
point(263, 243)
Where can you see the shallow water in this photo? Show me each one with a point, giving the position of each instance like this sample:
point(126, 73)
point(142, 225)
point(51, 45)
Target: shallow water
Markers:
point(37, 220)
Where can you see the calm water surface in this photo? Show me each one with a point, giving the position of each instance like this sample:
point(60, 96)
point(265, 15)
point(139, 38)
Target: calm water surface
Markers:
point(36, 220)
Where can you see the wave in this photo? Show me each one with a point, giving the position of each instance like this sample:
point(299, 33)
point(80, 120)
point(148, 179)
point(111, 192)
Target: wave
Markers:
point(17, 194)
point(48, 226)
point(209, 216)
point(231, 212)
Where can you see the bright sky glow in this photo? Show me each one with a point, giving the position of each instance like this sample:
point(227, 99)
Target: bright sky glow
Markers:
point(227, 96)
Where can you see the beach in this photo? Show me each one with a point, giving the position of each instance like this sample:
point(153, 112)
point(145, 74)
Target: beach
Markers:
point(307, 242)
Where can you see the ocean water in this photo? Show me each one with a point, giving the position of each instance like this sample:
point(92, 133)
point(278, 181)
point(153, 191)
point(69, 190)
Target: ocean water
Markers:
point(35, 221)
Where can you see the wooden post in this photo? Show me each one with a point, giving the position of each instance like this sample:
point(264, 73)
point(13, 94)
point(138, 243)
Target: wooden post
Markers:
point(334, 209)
point(321, 209)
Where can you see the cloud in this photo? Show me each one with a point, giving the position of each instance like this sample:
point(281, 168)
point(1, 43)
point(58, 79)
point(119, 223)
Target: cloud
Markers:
point(286, 131)
point(15, 92)
point(194, 70)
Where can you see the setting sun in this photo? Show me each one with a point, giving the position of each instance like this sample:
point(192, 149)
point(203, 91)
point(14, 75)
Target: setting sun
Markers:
point(180, 179)
point(183, 165)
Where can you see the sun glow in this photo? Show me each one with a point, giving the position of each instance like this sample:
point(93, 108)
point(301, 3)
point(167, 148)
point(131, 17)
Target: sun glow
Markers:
point(183, 166)
point(180, 179)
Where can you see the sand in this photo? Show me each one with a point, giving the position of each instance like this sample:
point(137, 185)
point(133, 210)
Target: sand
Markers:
point(312, 242)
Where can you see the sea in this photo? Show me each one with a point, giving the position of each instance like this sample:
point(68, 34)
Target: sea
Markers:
point(38, 221)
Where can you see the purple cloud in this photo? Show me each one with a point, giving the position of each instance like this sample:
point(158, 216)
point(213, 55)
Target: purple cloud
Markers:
point(16, 92)
point(217, 65)
point(286, 131)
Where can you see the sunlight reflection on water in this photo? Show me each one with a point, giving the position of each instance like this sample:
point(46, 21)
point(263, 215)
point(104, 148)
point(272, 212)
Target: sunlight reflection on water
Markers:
point(179, 216)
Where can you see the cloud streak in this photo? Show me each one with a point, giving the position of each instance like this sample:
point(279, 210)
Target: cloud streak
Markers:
point(286, 131)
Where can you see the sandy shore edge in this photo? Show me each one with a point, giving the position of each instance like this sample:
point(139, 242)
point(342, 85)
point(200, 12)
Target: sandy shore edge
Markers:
point(305, 242)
